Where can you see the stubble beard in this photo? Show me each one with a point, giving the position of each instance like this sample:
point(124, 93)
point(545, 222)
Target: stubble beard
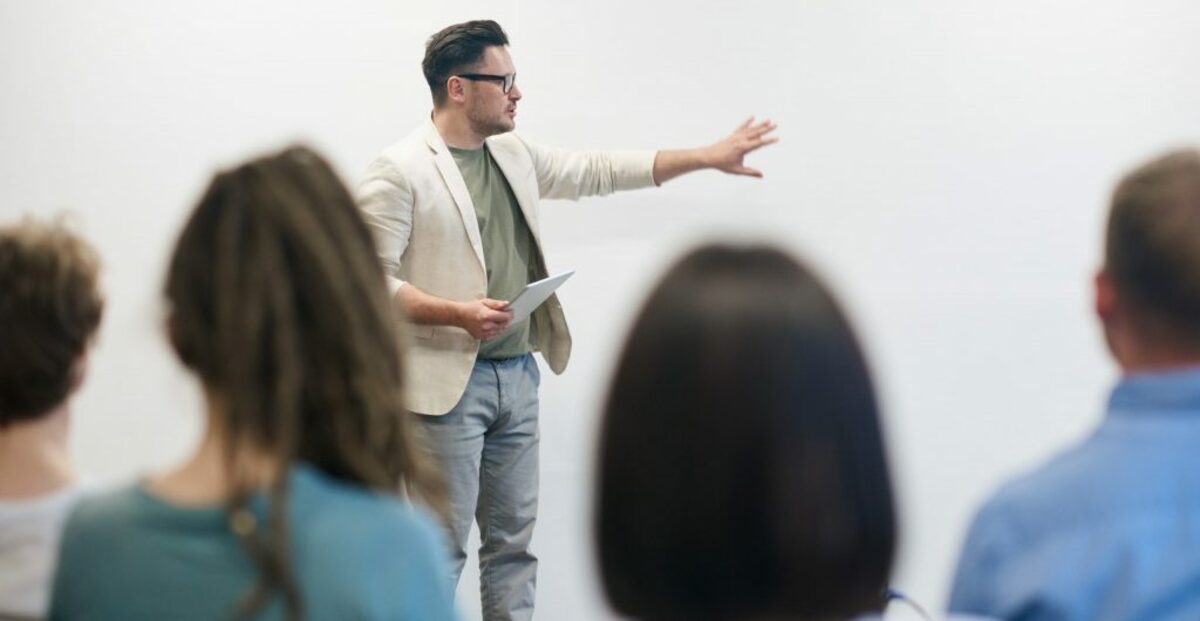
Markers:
point(486, 127)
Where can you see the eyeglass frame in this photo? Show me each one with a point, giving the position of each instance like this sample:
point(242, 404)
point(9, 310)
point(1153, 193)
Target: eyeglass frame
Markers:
point(507, 82)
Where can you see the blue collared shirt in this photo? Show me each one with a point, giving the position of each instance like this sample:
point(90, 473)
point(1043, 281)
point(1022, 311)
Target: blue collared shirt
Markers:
point(1110, 529)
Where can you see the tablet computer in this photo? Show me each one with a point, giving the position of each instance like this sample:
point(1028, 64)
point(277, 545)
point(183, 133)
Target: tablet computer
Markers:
point(534, 294)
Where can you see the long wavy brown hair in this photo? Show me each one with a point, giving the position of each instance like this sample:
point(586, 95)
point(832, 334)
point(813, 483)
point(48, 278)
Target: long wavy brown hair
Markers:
point(278, 304)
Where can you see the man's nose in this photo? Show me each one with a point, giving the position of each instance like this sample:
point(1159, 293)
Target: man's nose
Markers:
point(514, 93)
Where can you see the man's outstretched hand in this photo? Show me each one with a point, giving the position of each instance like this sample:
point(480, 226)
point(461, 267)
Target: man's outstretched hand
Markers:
point(729, 154)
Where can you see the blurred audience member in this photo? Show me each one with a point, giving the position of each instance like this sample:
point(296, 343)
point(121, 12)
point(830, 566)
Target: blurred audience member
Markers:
point(50, 307)
point(1110, 528)
point(288, 508)
point(742, 473)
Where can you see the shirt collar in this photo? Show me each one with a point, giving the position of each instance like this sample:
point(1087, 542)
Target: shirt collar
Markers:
point(1162, 391)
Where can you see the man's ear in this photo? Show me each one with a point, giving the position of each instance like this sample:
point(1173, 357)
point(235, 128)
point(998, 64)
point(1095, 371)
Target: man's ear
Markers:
point(1106, 296)
point(455, 89)
point(1107, 306)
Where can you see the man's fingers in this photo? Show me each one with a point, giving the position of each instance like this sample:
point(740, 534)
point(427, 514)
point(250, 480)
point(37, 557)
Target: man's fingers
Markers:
point(749, 172)
point(491, 331)
point(765, 128)
point(496, 324)
point(760, 143)
point(746, 123)
point(496, 314)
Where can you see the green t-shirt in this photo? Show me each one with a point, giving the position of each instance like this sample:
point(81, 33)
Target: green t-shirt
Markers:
point(508, 248)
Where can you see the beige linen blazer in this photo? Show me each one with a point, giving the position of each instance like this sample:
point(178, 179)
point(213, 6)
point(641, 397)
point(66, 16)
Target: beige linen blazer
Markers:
point(419, 209)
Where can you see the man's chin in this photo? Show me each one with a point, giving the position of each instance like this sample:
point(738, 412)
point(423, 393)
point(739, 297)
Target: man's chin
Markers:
point(499, 128)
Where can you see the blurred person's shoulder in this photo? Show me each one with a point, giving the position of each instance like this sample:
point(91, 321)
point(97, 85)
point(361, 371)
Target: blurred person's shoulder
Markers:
point(57, 502)
point(330, 511)
point(901, 613)
point(100, 512)
point(363, 553)
point(1066, 491)
point(29, 534)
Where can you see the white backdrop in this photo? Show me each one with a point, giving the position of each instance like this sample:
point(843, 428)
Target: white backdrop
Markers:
point(945, 163)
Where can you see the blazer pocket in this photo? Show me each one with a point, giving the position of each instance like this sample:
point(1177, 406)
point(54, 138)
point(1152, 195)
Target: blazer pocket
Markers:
point(426, 332)
point(420, 331)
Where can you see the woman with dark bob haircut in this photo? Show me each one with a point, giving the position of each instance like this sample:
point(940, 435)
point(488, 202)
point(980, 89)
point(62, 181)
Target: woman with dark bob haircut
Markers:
point(289, 506)
point(741, 469)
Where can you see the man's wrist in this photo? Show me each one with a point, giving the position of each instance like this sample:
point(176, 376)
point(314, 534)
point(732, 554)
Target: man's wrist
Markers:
point(458, 314)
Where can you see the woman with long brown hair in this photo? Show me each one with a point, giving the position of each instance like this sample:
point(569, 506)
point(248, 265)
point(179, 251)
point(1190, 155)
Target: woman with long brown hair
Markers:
point(288, 509)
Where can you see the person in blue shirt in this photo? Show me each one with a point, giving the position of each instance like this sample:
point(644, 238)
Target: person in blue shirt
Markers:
point(289, 507)
point(1110, 529)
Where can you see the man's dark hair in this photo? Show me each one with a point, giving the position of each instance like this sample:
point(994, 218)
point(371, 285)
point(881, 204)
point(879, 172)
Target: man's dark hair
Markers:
point(456, 48)
point(741, 468)
point(1153, 245)
point(50, 307)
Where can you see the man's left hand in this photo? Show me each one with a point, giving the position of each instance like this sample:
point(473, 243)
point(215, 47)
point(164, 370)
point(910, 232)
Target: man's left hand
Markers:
point(729, 154)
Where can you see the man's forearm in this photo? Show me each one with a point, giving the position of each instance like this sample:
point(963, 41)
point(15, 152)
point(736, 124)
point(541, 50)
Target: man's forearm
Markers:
point(425, 308)
point(484, 319)
point(672, 163)
point(726, 155)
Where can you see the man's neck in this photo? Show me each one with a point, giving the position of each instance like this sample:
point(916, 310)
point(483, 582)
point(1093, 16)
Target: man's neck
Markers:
point(33, 456)
point(1142, 357)
point(456, 130)
point(1163, 365)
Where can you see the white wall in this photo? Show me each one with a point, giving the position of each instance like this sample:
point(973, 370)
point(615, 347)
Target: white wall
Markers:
point(945, 163)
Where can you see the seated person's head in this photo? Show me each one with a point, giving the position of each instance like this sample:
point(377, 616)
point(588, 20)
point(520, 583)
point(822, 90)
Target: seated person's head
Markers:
point(278, 304)
point(742, 472)
point(50, 307)
point(1148, 292)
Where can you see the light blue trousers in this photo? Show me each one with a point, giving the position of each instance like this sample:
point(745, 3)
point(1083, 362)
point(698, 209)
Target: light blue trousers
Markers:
point(487, 450)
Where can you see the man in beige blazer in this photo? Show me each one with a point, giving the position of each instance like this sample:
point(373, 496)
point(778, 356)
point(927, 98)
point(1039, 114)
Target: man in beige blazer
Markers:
point(454, 209)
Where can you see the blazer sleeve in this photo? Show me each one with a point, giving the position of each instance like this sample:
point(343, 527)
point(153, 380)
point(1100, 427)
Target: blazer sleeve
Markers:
point(575, 174)
point(386, 199)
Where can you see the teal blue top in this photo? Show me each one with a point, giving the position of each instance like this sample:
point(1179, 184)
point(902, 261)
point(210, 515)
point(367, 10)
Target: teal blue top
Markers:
point(356, 554)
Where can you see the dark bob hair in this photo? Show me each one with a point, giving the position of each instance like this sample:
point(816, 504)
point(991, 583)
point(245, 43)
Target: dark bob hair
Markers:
point(741, 467)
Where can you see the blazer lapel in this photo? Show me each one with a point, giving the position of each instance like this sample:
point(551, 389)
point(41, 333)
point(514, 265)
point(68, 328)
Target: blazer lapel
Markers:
point(458, 190)
point(515, 174)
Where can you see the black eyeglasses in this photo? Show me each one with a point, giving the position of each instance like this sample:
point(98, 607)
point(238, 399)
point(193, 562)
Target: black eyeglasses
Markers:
point(506, 81)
